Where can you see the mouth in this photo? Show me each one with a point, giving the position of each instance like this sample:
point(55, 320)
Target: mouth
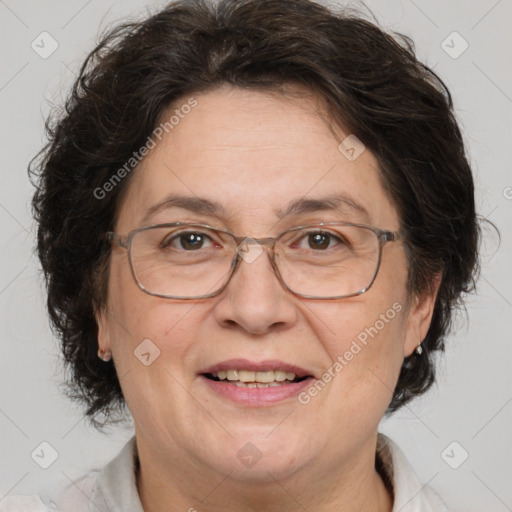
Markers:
point(256, 383)
point(255, 379)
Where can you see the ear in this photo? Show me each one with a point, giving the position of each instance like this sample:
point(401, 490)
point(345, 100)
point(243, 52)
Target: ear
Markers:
point(420, 311)
point(101, 316)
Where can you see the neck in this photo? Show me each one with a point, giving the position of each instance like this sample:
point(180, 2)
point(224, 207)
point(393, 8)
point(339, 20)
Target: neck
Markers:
point(182, 486)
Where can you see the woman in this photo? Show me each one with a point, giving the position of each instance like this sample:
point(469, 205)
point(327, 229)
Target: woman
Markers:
point(255, 221)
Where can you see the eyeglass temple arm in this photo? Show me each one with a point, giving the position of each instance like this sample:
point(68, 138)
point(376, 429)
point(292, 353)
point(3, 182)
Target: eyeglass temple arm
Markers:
point(110, 236)
point(390, 236)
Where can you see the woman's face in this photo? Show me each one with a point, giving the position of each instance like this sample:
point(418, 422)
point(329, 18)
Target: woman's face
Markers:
point(254, 154)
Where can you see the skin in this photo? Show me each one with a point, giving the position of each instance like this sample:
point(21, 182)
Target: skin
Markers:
point(254, 152)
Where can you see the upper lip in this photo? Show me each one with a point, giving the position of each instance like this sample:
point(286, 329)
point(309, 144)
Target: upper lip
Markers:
point(257, 366)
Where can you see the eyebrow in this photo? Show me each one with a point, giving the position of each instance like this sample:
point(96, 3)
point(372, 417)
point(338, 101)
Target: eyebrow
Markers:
point(194, 204)
point(338, 202)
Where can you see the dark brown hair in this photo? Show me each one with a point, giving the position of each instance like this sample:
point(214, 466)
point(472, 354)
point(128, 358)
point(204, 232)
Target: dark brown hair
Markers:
point(371, 82)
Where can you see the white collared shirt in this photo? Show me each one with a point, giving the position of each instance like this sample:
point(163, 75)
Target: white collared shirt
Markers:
point(114, 489)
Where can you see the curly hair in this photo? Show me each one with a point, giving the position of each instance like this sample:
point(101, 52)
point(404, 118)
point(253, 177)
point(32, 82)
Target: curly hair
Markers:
point(372, 83)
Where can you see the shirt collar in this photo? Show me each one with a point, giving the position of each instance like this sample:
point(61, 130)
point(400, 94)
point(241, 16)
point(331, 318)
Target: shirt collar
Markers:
point(410, 495)
point(115, 487)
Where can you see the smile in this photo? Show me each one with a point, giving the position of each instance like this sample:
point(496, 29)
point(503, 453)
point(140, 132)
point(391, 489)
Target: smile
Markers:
point(255, 379)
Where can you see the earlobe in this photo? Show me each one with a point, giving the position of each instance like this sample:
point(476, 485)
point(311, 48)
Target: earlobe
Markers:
point(419, 319)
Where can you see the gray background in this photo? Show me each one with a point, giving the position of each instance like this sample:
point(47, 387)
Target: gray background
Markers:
point(472, 401)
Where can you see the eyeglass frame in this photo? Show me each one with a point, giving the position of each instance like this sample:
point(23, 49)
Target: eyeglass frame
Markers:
point(124, 241)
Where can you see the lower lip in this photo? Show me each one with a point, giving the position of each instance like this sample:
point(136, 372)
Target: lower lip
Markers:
point(257, 396)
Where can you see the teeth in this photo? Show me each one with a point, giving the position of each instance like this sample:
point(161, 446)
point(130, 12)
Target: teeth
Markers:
point(264, 377)
point(246, 376)
point(254, 379)
point(255, 384)
point(232, 375)
point(280, 376)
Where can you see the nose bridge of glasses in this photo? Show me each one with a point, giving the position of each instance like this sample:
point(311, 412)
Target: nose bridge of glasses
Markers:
point(248, 240)
point(249, 249)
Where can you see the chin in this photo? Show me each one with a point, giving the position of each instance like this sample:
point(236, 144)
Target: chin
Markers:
point(264, 472)
point(264, 458)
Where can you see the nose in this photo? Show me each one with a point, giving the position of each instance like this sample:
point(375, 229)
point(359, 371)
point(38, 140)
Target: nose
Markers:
point(254, 299)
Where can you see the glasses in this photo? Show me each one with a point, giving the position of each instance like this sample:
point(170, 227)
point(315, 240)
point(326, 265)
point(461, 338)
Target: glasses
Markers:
point(182, 260)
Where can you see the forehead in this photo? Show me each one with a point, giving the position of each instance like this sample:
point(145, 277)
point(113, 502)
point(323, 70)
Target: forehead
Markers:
point(253, 155)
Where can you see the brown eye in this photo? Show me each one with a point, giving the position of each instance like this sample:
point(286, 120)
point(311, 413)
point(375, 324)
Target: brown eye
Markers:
point(189, 241)
point(319, 240)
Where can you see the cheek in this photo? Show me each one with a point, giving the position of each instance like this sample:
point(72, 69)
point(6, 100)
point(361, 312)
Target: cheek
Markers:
point(366, 357)
point(152, 343)
point(363, 332)
point(141, 323)
point(363, 338)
